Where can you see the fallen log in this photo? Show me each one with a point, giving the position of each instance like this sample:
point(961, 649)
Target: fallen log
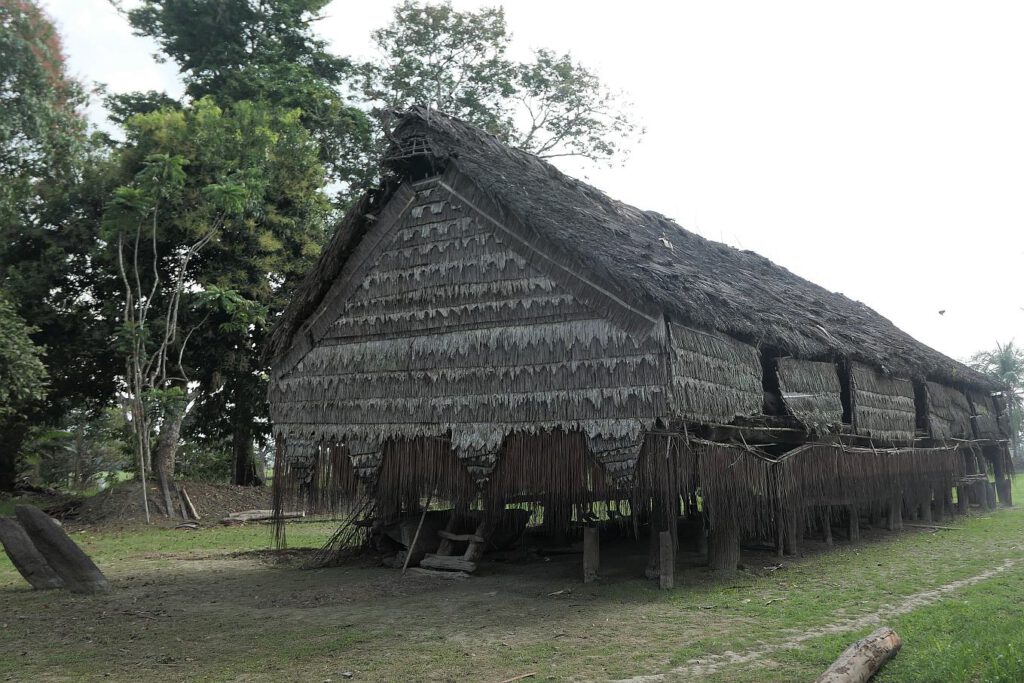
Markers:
point(26, 558)
point(78, 572)
point(259, 516)
point(863, 659)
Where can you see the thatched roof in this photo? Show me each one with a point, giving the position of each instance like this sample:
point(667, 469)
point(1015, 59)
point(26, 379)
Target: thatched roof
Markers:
point(640, 255)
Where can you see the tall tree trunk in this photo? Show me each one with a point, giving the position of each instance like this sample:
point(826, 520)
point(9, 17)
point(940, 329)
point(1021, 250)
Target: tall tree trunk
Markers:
point(166, 452)
point(246, 471)
point(12, 435)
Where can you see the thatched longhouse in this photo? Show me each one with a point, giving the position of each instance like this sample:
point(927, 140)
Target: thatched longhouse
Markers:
point(488, 332)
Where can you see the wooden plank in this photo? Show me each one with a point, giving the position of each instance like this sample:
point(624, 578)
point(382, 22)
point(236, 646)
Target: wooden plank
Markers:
point(188, 502)
point(461, 537)
point(432, 561)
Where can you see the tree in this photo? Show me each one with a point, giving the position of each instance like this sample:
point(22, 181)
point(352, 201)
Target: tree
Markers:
point(223, 204)
point(263, 51)
point(1006, 364)
point(53, 182)
point(22, 381)
point(434, 55)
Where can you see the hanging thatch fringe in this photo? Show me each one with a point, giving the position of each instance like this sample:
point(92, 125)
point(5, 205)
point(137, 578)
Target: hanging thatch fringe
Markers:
point(883, 407)
point(811, 391)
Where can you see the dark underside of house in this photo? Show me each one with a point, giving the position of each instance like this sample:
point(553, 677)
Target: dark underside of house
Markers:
point(486, 337)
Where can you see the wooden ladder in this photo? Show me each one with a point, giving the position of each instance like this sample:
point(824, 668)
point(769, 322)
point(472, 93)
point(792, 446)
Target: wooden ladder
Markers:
point(444, 559)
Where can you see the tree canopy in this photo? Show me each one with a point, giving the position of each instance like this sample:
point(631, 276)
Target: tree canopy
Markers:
point(457, 61)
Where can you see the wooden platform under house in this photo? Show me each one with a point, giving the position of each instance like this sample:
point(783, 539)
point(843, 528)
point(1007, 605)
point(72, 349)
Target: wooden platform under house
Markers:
point(486, 335)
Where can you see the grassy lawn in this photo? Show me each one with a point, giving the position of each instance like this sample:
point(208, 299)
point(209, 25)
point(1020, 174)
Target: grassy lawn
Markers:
point(196, 606)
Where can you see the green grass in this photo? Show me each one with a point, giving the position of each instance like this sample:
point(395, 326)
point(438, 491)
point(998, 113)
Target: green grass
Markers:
point(186, 606)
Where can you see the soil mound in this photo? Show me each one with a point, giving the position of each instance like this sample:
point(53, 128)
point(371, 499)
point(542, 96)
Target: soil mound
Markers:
point(122, 503)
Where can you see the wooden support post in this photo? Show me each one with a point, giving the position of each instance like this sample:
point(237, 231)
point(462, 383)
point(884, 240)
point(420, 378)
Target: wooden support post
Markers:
point(926, 509)
point(853, 523)
point(26, 558)
point(826, 525)
point(557, 518)
point(791, 525)
point(667, 576)
point(990, 496)
point(724, 542)
point(780, 532)
point(947, 503)
point(591, 553)
point(1005, 491)
point(963, 499)
point(895, 522)
point(78, 572)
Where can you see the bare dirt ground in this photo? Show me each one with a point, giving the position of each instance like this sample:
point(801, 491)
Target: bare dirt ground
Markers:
point(217, 605)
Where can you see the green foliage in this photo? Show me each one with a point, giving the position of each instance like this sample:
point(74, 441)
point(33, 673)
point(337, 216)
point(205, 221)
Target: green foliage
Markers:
point(80, 453)
point(433, 54)
point(235, 50)
point(39, 123)
point(22, 373)
point(225, 204)
point(1006, 364)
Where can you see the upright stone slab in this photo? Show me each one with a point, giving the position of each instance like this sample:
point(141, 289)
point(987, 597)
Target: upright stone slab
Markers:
point(79, 573)
point(26, 558)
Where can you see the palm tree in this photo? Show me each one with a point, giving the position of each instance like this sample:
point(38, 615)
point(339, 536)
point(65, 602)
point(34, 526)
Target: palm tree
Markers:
point(1006, 363)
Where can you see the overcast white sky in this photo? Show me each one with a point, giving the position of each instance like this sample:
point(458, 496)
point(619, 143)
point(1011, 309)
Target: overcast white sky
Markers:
point(876, 148)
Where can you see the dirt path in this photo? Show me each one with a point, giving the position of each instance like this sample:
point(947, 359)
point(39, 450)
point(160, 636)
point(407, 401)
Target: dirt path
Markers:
point(697, 668)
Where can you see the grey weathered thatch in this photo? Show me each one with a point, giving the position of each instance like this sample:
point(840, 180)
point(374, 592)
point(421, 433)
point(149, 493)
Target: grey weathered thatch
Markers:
point(812, 392)
point(949, 413)
point(883, 407)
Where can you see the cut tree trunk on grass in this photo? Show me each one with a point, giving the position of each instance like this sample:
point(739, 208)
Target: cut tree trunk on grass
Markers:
point(26, 558)
point(863, 659)
point(79, 572)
